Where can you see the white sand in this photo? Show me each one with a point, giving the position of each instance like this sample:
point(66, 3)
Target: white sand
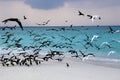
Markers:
point(54, 70)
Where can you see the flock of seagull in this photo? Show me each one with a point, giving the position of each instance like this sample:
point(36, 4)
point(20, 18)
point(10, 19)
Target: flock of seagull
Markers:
point(91, 17)
point(39, 41)
point(19, 23)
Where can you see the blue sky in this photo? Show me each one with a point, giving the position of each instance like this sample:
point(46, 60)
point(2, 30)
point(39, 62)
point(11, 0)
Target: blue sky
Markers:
point(38, 11)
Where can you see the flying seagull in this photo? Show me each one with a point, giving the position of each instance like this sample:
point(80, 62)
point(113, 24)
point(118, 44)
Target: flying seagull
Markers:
point(15, 20)
point(24, 17)
point(80, 13)
point(94, 37)
point(94, 17)
point(44, 23)
point(111, 52)
point(85, 56)
point(111, 30)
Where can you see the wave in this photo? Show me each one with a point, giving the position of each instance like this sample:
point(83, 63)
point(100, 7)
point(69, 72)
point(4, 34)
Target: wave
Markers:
point(102, 61)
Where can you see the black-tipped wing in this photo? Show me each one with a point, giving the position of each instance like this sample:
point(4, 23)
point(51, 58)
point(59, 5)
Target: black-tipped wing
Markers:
point(15, 20)
point(110, 29)
point(80, 13)
point(38, 24)
point(90, 17)
point(20, 24)
point(5, 21)
point(90, 54)
point(24, 17)
point(47, 22)
point(82, 53)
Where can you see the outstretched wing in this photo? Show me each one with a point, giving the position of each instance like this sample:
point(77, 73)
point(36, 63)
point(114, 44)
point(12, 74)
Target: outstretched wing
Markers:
point(91, 54)
point(20, 24)
point(110, 29)
point(46, 22)
point(80, 13)
point(5, 21)
point(90, 17)
point(15, 20)
point(24, 17)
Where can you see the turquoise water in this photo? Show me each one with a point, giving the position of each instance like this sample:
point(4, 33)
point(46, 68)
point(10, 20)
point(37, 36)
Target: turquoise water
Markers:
point(72, 38)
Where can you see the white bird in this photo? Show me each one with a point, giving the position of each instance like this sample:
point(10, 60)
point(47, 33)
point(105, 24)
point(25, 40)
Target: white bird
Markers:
point(117, 31)
point(105, 43)
point(111, 52)
point(94, 17)
point(94, 37)
point(118, 41)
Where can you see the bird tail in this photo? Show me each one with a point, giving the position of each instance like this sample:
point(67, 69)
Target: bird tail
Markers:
point(5, 21)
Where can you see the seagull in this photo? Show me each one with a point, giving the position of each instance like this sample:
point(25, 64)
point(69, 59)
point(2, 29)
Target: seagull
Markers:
point(15, 20)
point(94, 17)
point(111, 52)
point(118, 41)
point(24, 17)
point(86, 56)
point(94, 37)
point(80, 13)
point(44, 23)
point(105, 43)
point(117, 31)
point(111, 30)
point(67, 65)
point(90, 16)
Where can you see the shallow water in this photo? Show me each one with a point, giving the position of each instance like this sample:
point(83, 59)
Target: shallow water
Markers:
point(66, 38)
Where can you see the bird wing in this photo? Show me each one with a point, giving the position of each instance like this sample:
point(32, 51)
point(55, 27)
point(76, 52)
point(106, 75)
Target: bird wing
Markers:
point(91, 54)
point(47, 21)
point(20, 24)
point(80, 13)
point(25, 17)
point(5, 21)
point(38, 24)
point(110, 28)
point(82, 53)
point(13, 19)
point(90, 17)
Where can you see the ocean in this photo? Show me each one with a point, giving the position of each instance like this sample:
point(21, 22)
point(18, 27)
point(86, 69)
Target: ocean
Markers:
point(102, 41)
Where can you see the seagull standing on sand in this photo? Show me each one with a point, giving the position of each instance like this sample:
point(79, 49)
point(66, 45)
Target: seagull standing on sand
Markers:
point(94, 17)
point(67, 65)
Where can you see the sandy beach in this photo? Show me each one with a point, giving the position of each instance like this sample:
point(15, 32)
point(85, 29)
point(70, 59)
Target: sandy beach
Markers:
point(54, 70)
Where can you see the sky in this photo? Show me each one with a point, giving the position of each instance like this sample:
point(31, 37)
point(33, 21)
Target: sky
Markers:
point(58, 11)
